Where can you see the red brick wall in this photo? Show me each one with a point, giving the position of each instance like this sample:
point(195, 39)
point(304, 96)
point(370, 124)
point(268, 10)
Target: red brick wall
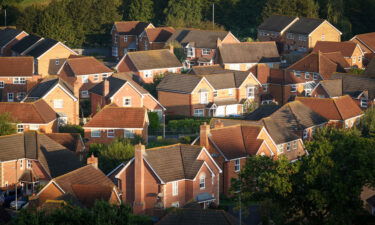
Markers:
point(128, 91)
point(97, 102)
point(105, 139)
point(9, 87)
point(150, 103)
point(50, 192)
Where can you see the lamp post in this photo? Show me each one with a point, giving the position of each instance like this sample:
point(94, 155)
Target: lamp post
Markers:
point(15, 185)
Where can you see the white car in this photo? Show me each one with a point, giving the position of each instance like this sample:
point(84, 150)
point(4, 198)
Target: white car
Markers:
point(20, 204)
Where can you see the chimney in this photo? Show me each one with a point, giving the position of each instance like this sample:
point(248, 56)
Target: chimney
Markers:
point(203, 136)
point(219, 42)
point(171, 48)
point(139, 188)
point(105, 87)
point(92, 160)
point(219, 124)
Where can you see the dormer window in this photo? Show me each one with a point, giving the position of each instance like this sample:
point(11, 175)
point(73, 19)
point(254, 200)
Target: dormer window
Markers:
point(230, 92)
point(57, 62)
point(190, 52)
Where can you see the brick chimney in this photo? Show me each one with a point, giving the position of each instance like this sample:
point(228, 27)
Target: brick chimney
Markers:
point(171, 48)
point(105, 87)
point(219, 124)
point(92, 160)
point(203, 135)
point(139, 188)
point(219, 42)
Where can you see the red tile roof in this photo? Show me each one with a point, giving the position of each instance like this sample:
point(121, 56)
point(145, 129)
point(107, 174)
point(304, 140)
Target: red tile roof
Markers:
point(159, 34)
point(71, 141)
point(368, 39)
point(16, 66)
point(119, 117)
point(346, 48)
point(130, 27)
point(84, 66)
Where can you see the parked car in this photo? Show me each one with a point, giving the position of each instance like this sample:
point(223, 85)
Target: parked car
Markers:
point(6, 197)
point(20, 203)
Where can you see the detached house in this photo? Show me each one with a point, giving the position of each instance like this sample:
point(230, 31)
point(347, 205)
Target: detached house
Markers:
point(340, 112)
point(125, 36)
point(17, 77)
point(366, 43)
point(83, 73)
point(200, 45)
point(121, 90)
point(147, 64)
point(112, 122)
point(59, 96)
point(36, 115)
point(242, 56)
point(30, 159)
point(169, 176)
point(8, 38)
point(154, 38)
point(222, 94)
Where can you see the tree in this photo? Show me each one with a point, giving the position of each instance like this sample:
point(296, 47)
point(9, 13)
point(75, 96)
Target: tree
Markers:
point(7, 125)
point(183, 13)
point(367, 124)
point(305, 8)
point(141, 10)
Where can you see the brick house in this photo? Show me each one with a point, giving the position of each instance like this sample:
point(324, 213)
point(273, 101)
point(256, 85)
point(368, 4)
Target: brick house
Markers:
point(154, 38)
point(82, 73)
point(25, 44)
point(125, 36)
point(367, 44)
point(49, 55)
point(297, 33)
point(84, 186)
point(17, 77)
point(220, 94)
point(116, 122)
point(121, 90)
point(31, 158)
point(244, 55)
point(147, 64)
point(168, 176)
point(36, 115)
point(341, 112)
point(200, 45)
point(327, 89)
point(350, 50)
point(59, 96)
point(8, 38)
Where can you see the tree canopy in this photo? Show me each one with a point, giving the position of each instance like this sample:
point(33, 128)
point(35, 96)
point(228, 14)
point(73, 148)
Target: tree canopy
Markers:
point(7, 125)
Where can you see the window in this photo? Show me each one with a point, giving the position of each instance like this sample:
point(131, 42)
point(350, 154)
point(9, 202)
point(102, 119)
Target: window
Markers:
point(19, 80)
point(85, 79)
point(116, 38)
point(21, 95)
point(297, 73)
point(85, 94)
point(280, 148)
point(202, 181)
point(127, 101)
point(96, 77)
point(57, 62)
point(147, 73)
point(307, 92)
point(199, 112)
point(363, 103)
point(104, 75)
point(58, 103)
point(359, 58)
point(293, 88)
point(28, 164)
point(215, 93)
point(110, 133)
point(145, 44)
point(175, 188)
point(114, 51)
point(302, 38)
point(288, 146)
point(250, 92)
point(175, 204)
point(265, 87)
point(206, 51)
point(21, 163)
point(316, 76)
point(307, 75)
point(234, 66)
point(34, 127)
point(10, 97)
point(126, 38)
point(95, 133)
point(19, 128)
point(230, 92)
point(353, 59)
point(266, 102)
point(305, 133)
point(129, 133)
point(237, 165)
point(190, 52)
point(172, 70)
point(1, 84)
point(323, 37)
point(294, 145)
point(203, 97)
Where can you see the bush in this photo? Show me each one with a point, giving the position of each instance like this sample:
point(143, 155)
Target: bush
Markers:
point(154, 121)
point(161, 142)
point(190, 126)
point(70, 128)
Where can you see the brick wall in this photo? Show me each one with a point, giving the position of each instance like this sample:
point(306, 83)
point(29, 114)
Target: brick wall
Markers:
point(105, 139)
point(47, 62)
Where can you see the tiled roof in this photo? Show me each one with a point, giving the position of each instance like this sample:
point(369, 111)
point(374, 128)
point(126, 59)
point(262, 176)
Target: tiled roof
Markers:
point(198, 38)
point(332, 87)
point(262, 112)
point(352, 84)
point(249, 52)
point(201, 70)
point(368, 39)
point(8, 34)
point(130, 27)
point(25, 43)
point(118, 117)
point(42, 47)
point(71, 141)
point(346, 48)
point(42, 88)
point(340, 108)
point(153, 59)
point(16, 66)
point(276, 23)
point(85, 66)
point(159, 34)
point(370, 70)
point(305, 25)
point(38, 112)
point(179, 83)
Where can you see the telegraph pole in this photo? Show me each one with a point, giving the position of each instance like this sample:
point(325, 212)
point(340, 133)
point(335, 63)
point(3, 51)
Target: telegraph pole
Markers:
point(213, 16)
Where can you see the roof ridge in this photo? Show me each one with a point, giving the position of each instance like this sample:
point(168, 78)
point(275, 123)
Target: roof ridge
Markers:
point(156, 148)
point(71, 172)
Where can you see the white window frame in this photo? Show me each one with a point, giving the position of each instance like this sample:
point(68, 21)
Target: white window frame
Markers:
point(265, 87)
point(354, 59)
point(58, 103)
point(359, 58)
point(21, 95)
point(127, 101)
point(203, 97)
point(10, 96)
point(19, 80)
point(288, 145)
point(315, 76)
point(96, 133)
point(125, 38)
point(202, 181)
point(20, 128)
point(34, 127)
point(85, 79)
point(197, 112)
point(110, 133)
point(175, 188)
point(237, 165)
point(190, 52)
point(104, 76)
point(96, 77)
point(363, 103)
point(147, 73)
point(29, 164)
point(2, 84)
point(230, 92)
point(297, 73)
point(21, 163)
point(85, 93)
point(114, 51)
point(206, 51)
point(175, 204)
point(129, 133)
point(308, 92)
point(57, 62)
point(295, 145)
point(215, 93)
point(250, 92)
point(305, 133)
point(280, 148)
point(307, 75)
point(293, 88)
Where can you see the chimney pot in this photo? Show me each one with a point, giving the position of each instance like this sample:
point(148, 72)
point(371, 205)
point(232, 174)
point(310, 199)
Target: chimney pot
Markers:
point(105, 87)
point(203, 135)
point(92, 160)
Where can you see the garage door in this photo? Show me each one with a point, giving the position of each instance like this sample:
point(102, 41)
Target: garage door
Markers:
point(220, 111)
point(231, 110)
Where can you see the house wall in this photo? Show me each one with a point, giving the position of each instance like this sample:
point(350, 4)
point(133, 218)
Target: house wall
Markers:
point(150, 103)
point(16, 89)
point(156, 72)
point(50, 127)
point(229, 173)
point(319, 92)
point(175, 103)
point(330, 34)
point(128, 91)
point(97, 102)
point(293, 153)
point(357, 58)
point(50, 192)
point(121, 44)
point(105, 139)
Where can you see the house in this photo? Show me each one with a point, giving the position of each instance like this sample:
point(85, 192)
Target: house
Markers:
point(360, 88)
point(297, 33)
point(366, 43)
point(72, 142)
point(125, 36)
point(340, 112)
point(25, 44)
point(168, 176)
point(221, 94)
point(200, 45)
point(328, 89)
point(81, 187)
point(31, 158)
point(116, 122)
point(17, 77)
point(9, 37)
point(349, 49)
point(368, 198)
point(148, 64)
point(82, 73)
point(154, 38)
point(59, 96)
point(49, 55)
point(244, 55)
point(36, 115)
point(370, 70)
point(121, 90)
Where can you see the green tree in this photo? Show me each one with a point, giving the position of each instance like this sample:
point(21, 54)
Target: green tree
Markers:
point(367, 124)
point(7, 125)
point(183, 13)
point(305, 8)
point(141, 10)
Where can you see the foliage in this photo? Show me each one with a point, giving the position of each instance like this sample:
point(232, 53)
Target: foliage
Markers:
point(151, 87)
point(356, 71)
point(141, 10)
point(154, 121)
point(7, 125)
point(323, 187)
point(187, 125)
point(367, 124)
point(101, 213)
point(250, 106)
point(71, 128)
point(84, 108)
point(185, 13)
point(161, 142)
